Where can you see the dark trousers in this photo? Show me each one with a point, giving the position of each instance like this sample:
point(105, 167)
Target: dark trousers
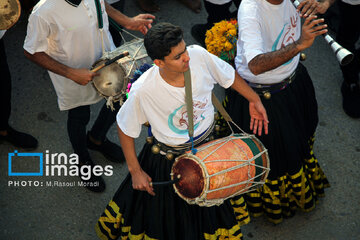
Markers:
point(113, 31)
point(347, 35)
point(217, 13)
point(79, 117)
point(5, 89)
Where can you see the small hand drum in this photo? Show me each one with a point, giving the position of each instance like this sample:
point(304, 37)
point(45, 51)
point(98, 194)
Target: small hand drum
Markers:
point(113, 79)
point(221, 169)
point(10, 11)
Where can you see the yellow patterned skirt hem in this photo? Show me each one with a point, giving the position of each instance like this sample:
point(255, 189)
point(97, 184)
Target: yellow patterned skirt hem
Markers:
point(280, 198)
point(111, 224)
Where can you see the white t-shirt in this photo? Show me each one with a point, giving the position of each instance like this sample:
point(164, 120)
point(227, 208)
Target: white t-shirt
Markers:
point(263, 28)
point(218, 2)
point(113, 1)
point(352, 2)
point(152, 99)
point(71, 36)
point(2, 33)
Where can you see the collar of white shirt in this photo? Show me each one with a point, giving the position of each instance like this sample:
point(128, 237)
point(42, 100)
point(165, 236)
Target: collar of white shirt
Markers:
point(74, 3)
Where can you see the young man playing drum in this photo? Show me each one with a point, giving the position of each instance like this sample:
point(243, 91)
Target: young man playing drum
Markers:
point(158, 97)
point(65, 37)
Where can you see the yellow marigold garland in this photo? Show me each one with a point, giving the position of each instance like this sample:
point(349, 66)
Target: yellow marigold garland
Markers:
point(221, 40)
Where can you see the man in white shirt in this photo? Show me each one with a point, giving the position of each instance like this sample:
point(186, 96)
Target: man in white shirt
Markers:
point(347, 35)
point(158, 97)
point(64, 37)
point(7, 133)
point(270, 39)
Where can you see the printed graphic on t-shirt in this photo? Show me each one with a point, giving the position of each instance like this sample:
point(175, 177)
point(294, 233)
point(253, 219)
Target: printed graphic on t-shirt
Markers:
point(286, 36)
point(178, 119)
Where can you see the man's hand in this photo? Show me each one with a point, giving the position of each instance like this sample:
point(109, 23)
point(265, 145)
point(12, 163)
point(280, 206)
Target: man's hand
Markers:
point(258, 118)
point(324, 6)
point(141, 181)
point(141, 22)
point(81, 76)
point(310, 30)
point(308, 8)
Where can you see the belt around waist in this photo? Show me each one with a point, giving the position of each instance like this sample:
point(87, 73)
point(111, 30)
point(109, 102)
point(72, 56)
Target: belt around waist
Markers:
point(266, 90)
point(164, 149)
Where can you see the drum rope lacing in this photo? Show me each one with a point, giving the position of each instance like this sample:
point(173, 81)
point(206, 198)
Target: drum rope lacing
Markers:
point(250, 184)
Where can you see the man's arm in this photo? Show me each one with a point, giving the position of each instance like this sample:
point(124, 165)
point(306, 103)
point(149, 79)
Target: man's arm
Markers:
point(271, 60)
point(257, 111)
point(81, 76)
point(141, 22)
point(140, 179)
point(324, 6)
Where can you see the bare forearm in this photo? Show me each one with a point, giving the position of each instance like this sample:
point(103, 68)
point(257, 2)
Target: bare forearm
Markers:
point(244, 89)
point(81, 76)
point(118, 17)
point(47, 62)
point(271, 60)
point(324, 5)
point(330, 2)
point(128, 147)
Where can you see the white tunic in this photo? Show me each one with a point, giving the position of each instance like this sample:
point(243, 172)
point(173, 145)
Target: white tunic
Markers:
point(152, 99)
point(71, 36)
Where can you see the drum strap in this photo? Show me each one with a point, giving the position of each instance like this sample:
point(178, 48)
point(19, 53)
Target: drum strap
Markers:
point(190, 111)
point(99, 14)
point(220, 108)
point(189, 108)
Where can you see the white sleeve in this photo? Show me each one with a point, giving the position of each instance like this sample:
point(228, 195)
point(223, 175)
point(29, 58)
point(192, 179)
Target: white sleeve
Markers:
point(131, 116)
point(2, 33)
point(251, 38)
point(38, 31)
point(222, 72)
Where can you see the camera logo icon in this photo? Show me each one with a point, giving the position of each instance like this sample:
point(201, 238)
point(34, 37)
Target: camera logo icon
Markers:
point(20, 158)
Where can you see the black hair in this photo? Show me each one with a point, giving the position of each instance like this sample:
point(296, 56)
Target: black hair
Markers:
point(161, 38)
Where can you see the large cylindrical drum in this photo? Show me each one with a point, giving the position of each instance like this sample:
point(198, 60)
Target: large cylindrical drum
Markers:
point(221, 169)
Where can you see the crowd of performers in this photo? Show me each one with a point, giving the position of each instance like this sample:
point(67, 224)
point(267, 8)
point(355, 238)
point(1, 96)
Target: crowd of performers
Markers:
point(269, 94)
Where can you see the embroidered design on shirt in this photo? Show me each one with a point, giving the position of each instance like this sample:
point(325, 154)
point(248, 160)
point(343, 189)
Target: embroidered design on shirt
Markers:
point(178, 119)
point(288, 37)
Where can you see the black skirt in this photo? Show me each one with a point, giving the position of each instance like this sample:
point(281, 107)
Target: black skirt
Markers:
point(133, 214)
point(295, 179)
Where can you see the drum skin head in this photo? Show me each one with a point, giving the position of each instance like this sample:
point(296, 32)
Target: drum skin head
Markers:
point(110, 81)
point(10, 11)
point(191, 184)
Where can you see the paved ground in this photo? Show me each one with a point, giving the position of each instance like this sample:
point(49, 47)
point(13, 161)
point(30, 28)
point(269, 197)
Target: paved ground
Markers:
point(56, 213)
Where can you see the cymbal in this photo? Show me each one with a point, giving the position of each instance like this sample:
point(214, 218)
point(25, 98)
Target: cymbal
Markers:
point(10, 11)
